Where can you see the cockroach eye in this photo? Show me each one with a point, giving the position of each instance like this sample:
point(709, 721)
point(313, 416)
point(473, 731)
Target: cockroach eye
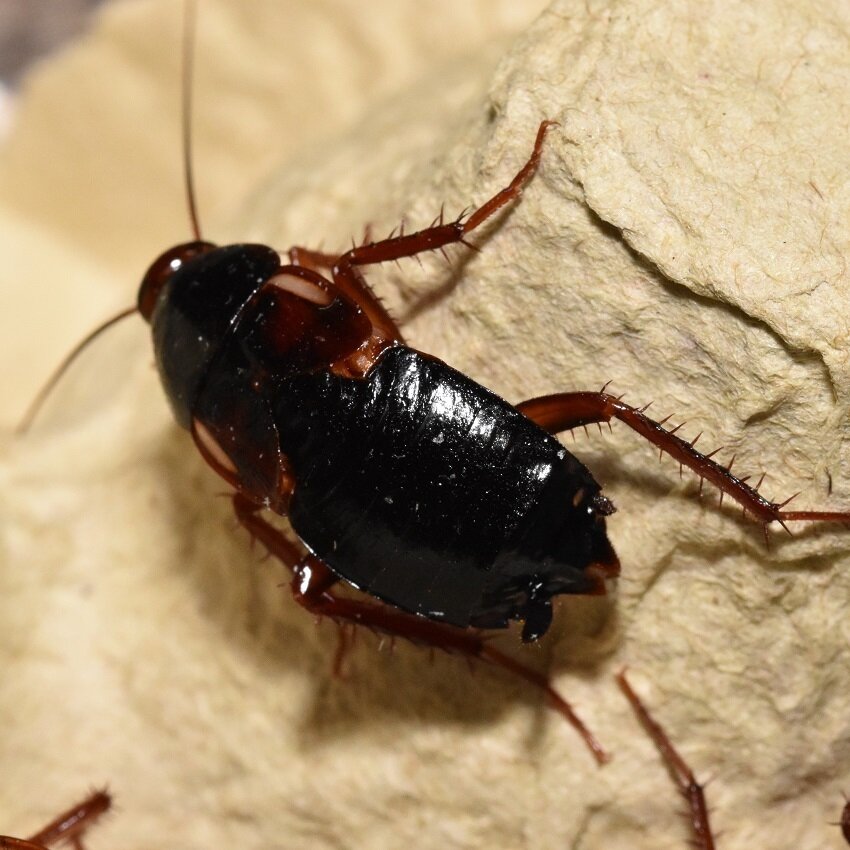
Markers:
point(162, 270)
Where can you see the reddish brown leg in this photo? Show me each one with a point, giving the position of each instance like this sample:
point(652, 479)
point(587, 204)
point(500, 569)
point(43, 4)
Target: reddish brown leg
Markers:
point(307, 257)
point(344, 267)
point(354, 286)
point(311, 585)
point(69, 827)
point(564, 411)
point(439, 234)
point(436, 237)
point(9, 843)
point(682, 775)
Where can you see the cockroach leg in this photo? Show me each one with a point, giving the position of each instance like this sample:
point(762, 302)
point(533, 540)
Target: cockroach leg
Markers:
point(679, 770)
point(247, 515)
point(9, 843)
point(344, 642)
point(564, 411)
point(424, 632)
point(69, 827)
point(354, 286)
point(351, 282)
point(307, 257)
point(439, 235)
point(844, 823)
point(311, 585)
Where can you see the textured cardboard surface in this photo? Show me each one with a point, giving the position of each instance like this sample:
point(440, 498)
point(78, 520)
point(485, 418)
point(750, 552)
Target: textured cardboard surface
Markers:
point(686, 236)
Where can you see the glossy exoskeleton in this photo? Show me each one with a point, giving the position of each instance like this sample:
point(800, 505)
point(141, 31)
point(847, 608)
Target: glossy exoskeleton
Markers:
point(399, 474)
point(410, 481)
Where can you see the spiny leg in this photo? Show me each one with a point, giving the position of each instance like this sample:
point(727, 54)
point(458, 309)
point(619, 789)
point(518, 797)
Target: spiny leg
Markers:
point(681, 773)
point(440, 234)
point(68, 827)
point(564, 411)
point(350, 280)
point(320, 260)
point(311, 584)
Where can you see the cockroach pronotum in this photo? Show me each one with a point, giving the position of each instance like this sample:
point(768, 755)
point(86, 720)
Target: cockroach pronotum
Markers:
point(68, 828)
point(452, 509)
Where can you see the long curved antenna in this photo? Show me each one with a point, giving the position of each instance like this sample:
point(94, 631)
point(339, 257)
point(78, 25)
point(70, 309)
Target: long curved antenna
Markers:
point(38, 401)
point(190, 8)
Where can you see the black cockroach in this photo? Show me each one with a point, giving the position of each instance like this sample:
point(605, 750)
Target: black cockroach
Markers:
point(67, 828)
point(455, 510)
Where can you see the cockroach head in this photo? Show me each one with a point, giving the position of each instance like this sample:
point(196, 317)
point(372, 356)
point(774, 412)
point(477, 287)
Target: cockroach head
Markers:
point(161, 271)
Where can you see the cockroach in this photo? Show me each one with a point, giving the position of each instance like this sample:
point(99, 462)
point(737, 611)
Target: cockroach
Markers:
point(450, 509)
point(68, 828)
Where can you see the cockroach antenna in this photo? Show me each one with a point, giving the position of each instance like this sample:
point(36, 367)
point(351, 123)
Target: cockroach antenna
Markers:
point(43, 394)
point(190, 15)
point(190, 8)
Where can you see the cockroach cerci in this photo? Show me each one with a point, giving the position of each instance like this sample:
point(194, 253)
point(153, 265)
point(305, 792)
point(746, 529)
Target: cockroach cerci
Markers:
point(451, 509)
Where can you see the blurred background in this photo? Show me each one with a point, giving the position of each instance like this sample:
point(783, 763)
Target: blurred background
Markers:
point(31, 28)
